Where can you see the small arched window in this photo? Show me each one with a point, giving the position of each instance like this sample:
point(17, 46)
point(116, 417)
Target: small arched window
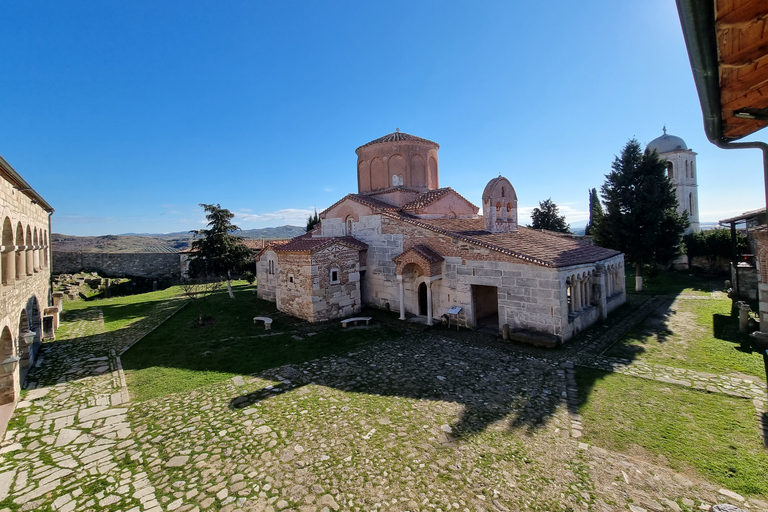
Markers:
point(670, 171)
point(690, 203)
point(498, 207)
point(335, 276)
point(686, 168)
point(502, 191)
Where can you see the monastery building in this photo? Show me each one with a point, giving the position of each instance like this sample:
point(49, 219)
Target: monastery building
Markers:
point(405, 244)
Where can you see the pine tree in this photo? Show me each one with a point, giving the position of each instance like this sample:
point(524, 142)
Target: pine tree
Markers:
point(312, 221)
point(547, 216)
point(218, 252)
point(595, 211)
point(640, 218)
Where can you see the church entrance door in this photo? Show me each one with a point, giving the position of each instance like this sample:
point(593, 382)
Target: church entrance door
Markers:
point(423, 299)
point(485, 301)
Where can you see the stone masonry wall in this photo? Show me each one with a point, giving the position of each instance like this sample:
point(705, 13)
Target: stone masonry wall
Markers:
point(266, 288)
point(25, 268)
point(341, 299)
point(295, 298)
point(150, 265)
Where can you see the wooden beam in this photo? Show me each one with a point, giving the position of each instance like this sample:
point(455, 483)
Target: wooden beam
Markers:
point(741, 11)
point(749, 55)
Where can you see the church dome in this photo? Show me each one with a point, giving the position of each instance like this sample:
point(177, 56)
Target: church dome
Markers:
point(667, 143)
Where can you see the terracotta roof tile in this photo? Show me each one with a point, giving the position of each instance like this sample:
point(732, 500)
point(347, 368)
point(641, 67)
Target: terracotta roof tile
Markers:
point(362, 199)
point(539, 247)
point(427, 253)
point(393, 189)
point(306, 244)
point(397, 137)
point(430, 197)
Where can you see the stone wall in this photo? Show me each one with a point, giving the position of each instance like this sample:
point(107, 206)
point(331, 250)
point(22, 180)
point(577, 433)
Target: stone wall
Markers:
point(25, 289)
point(267, 282)
point(150, 265)
point(294, 285)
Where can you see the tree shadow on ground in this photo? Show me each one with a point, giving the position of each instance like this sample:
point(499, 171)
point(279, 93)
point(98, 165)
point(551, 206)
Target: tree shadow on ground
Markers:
point(655, 328)
point(726, 328)
point(491, 385)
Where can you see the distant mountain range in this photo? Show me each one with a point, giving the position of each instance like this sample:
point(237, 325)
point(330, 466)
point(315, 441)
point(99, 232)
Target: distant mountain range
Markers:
point(148, 242)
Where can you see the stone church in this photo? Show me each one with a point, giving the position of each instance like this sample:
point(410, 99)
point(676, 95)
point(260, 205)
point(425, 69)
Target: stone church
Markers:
point(405, 244)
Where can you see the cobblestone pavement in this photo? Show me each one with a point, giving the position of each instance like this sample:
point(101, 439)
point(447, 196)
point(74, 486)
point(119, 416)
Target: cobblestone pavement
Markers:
point(69, 446)
point(423, 423)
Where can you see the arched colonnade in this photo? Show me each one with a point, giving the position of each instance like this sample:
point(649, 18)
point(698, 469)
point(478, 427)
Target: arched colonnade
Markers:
point(24, 251)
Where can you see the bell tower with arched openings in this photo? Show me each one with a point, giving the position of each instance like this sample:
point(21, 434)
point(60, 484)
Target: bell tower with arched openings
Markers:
point(681, 169)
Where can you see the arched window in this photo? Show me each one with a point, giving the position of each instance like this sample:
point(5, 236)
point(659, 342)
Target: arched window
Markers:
point(498, 208)
point(335, 276)
point(502, 191)
point(690, 203)
point(670, 170)
point(686, 168)
point(692, 176)
point(349, 226)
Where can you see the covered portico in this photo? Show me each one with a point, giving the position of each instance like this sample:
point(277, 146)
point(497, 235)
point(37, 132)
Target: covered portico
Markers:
point(419, 264)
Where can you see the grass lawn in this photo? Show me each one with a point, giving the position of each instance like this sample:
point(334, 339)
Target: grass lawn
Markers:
point(675, 282)
point(119, 311)
point(180, 355)
point(715, 435)
point(699, 335)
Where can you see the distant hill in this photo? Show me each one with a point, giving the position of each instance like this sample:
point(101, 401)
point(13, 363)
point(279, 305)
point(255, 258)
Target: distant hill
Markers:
point(146, 242)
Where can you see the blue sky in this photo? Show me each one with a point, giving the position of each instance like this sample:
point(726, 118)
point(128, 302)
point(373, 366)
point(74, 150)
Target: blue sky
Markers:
point(126, 115)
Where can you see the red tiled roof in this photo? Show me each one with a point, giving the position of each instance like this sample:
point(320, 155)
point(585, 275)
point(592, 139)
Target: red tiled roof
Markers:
point(307, 244)
point(394, 189)
point(430, 197)
point(397, 136)
point(420, 202)
point(427, 253)
point(362, 199)
point(271, 244)
point(535, 246)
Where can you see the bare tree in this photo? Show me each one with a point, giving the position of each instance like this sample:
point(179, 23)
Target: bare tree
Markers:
point(198, 291)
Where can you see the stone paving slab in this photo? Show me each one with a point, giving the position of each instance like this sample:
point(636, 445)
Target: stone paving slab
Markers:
point(421, 423)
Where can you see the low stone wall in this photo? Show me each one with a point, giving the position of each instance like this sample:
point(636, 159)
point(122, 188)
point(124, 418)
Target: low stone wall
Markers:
point(152, 265)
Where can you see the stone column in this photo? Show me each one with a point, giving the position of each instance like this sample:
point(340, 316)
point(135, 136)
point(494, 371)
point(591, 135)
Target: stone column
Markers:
point(589, 291)
point(53, 311)
point(429, 302)
point(571, 288)
point(576, 295)
point(20, 271)
point(49, 332)
point(9, 265)
point(402, 296)
point(744, 310)
point(58, 300)
point(600, 292)
point(29, 255)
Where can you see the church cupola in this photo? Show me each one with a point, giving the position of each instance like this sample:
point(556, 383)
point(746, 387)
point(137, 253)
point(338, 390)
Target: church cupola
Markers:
point(397, 160)
point(500, 206)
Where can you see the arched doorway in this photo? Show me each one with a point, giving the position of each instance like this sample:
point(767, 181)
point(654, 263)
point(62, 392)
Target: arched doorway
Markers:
point(423, 299)
point(23, 347)
point(8, 381)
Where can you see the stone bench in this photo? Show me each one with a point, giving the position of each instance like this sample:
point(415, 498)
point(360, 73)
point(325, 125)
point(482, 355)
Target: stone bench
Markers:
point(267, 321)
point(366, 319)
